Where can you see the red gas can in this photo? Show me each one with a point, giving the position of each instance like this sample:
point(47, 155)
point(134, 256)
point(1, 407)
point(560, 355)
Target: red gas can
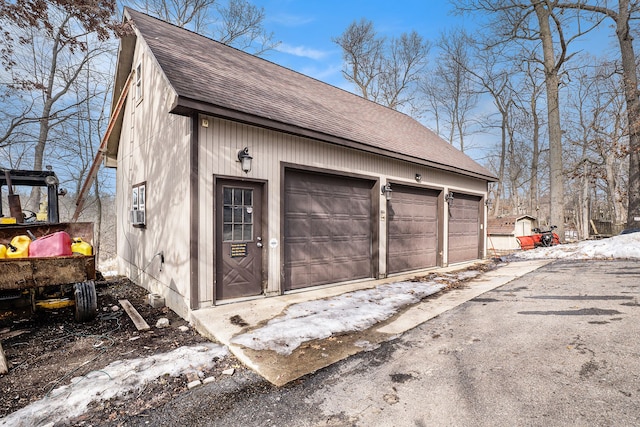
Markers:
point(56, 244)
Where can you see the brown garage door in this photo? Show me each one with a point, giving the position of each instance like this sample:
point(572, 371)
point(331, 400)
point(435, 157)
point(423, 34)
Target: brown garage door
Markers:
point(327, 229)
point(464, 228)
point(412, 228)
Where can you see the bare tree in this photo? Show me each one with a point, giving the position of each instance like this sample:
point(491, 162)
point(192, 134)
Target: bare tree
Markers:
point(92, 16)
point(599, 135)
point(532, 89)
point(434, 99)
point(236, 23)
point(626, 11)
point(406, 60)
point(363, 55)
point(13, 119)
point(57, 41)
point(538, 21)
point(192, 14)
point(383, 71)
point(21, 21)
point(467, 68)
point(496, 79)
point(451, 87)
point(552, 63)
point(241, 25)
point(53, 72)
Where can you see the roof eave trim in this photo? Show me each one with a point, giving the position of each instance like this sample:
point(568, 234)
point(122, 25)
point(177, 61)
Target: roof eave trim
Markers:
point(185, 107)
point(124, 65)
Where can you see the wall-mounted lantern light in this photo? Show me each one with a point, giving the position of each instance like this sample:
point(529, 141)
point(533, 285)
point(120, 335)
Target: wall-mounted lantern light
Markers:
point(418, 177)
point(488, 203)
point(245, 159)
point(449, 198)
point(386, 191)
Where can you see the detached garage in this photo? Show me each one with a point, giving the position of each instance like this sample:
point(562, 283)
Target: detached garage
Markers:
point(260, 181)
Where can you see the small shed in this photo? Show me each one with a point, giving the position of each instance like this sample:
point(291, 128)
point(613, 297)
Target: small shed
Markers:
point(502, 232)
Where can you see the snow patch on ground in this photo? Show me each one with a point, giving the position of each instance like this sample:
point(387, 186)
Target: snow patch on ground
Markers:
point(354, 311)
point(108, 267)
point(116, 379)
point(467, 275)
point(626, 246)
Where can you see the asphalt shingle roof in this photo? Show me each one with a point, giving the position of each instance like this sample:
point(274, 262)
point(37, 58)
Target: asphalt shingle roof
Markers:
point(208, 72)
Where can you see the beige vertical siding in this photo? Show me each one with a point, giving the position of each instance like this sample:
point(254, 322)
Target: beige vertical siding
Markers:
point(154, 147)
point(220, 143)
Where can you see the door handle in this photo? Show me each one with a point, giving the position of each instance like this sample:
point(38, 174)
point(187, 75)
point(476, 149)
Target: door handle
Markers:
point(259, 244)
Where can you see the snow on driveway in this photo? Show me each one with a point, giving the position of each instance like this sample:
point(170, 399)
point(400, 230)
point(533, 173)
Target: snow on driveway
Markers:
point(353, 311)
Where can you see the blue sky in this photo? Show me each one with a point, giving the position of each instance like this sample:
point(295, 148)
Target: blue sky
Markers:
point(306, 27)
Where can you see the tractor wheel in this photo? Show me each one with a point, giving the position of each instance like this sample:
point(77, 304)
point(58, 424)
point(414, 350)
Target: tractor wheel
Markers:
point(86, 301)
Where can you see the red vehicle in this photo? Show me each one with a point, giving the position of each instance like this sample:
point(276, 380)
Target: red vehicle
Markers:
point(540, 238)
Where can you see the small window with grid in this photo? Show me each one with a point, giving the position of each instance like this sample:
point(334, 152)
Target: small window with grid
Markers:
point(237, 214)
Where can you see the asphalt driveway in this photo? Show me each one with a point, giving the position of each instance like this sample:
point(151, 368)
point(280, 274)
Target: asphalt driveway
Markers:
point(558, 346)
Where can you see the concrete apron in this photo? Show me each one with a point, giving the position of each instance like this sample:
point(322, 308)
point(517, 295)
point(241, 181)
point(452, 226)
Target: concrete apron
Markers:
point(215, 322)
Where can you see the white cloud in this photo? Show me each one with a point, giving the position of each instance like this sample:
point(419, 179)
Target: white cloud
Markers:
point(330, 74)
point(302, 51)
point(289, 20)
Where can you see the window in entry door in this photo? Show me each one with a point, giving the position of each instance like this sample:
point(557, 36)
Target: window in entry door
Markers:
point(237, 214)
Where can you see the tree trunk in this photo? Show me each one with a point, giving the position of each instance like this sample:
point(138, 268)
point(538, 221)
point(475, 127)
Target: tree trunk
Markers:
point(552, 82)
point(43, 135)
point(503, 155)
point(612, 186)
point(38, 155)
point(535, 155)
point(461, 133)
point(584, 206)
point(630, 77)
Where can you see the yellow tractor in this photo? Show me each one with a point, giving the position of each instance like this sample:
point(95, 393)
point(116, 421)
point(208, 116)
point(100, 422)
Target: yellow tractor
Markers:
point(43, 263)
